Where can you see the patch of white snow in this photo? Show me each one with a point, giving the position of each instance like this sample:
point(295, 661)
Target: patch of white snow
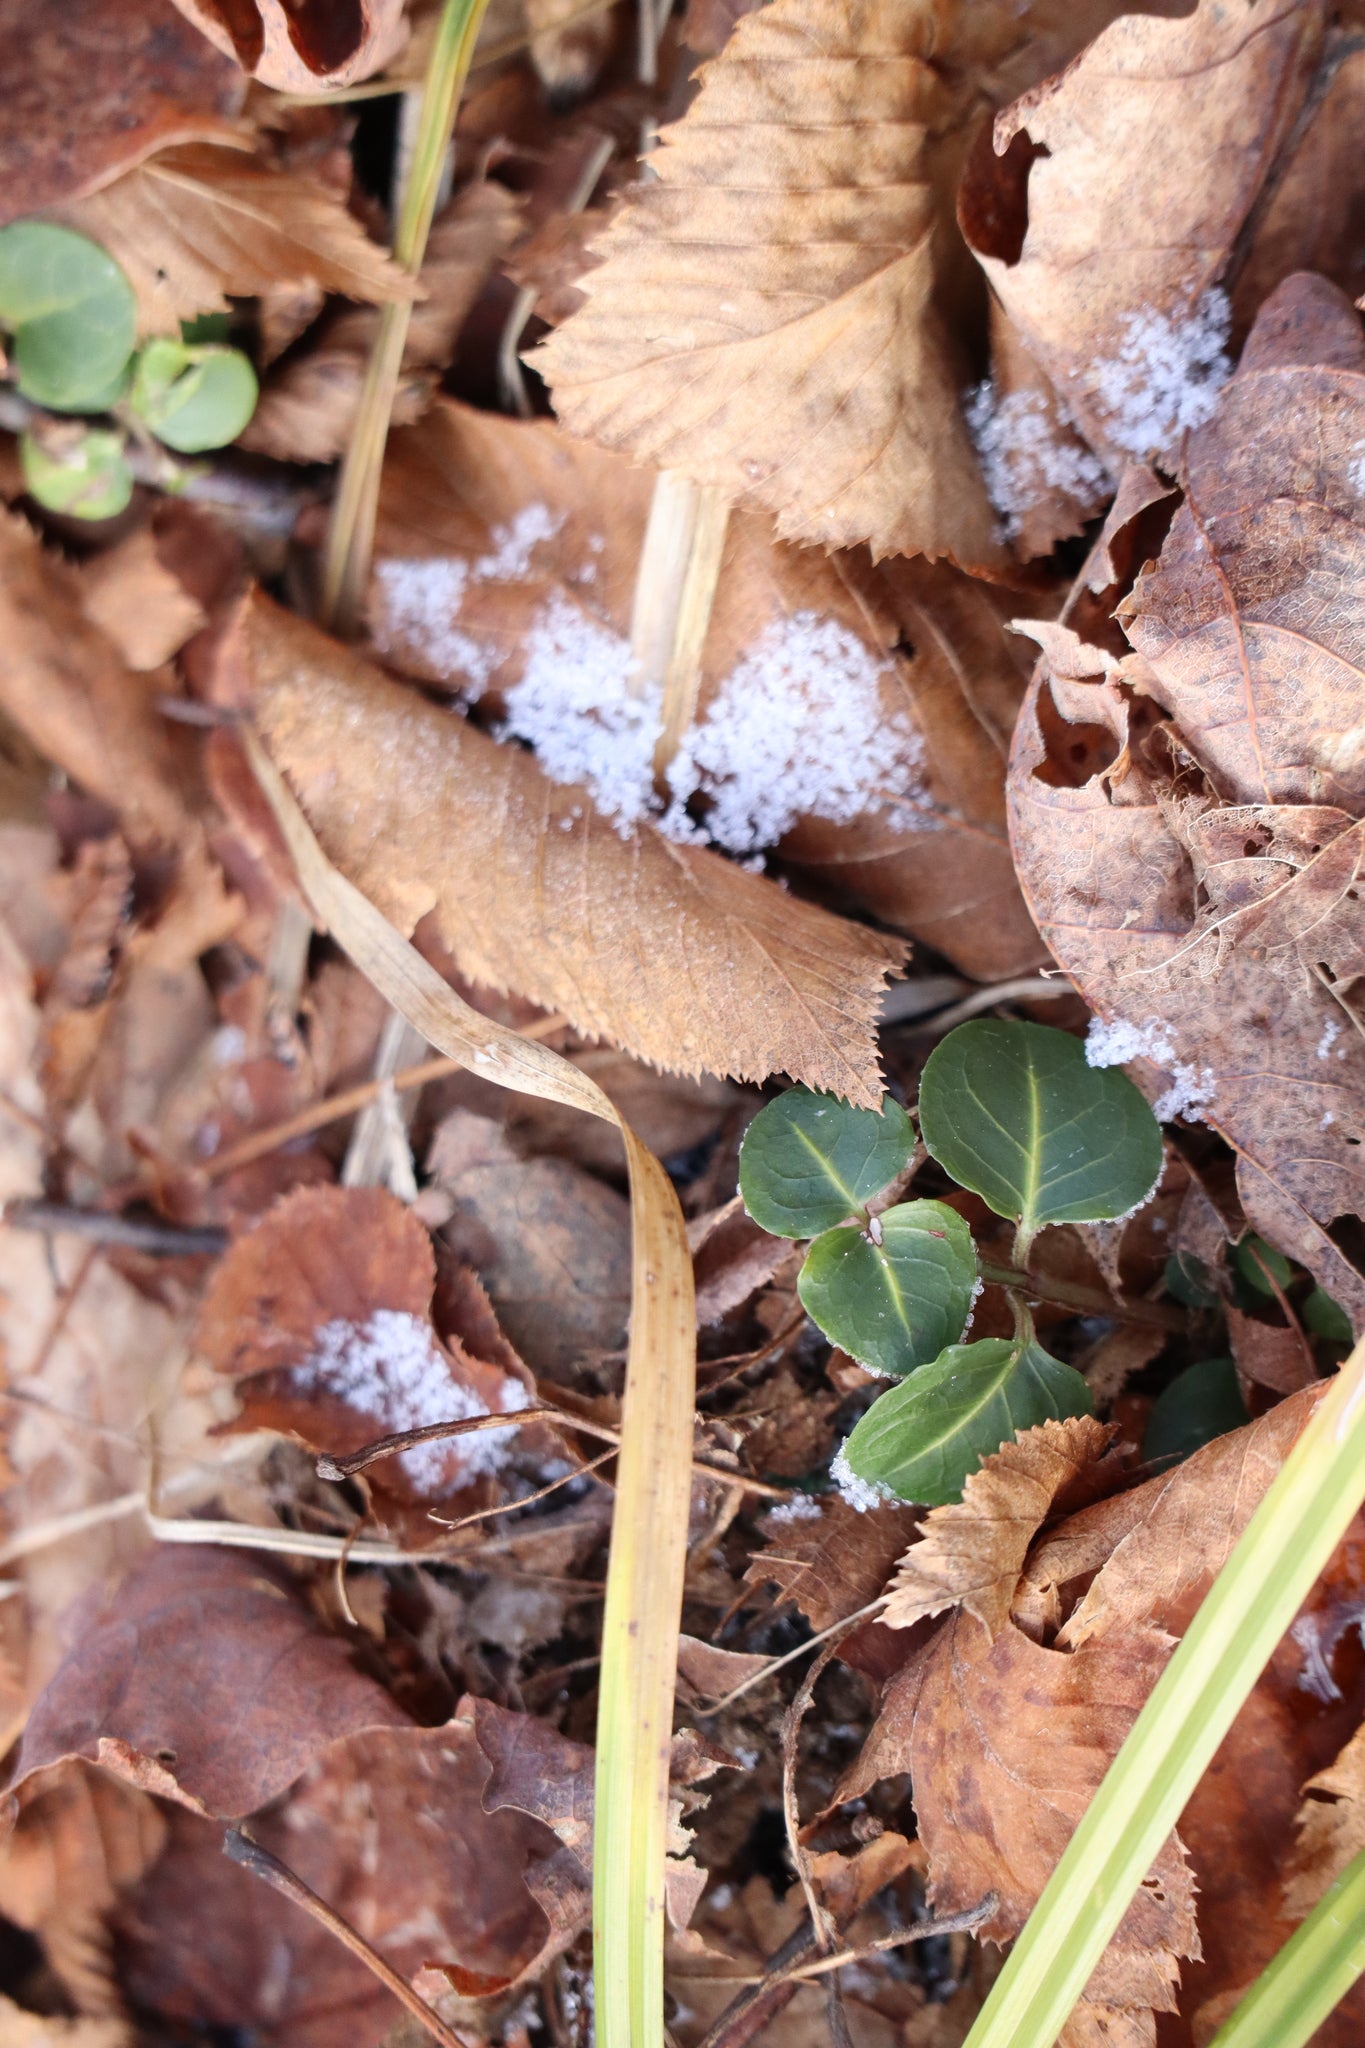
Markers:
point(1023, 457)
point(861, 1494)
point(1165, 375)
point(1114, 1043)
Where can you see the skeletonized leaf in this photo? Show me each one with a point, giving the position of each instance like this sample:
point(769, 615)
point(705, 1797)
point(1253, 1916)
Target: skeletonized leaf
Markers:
point(923, 1439)
point(672, 952)
point(1014, 1112)
point(893, 1304)
point(195, 225)
point(1151, 148)
point(808, 1161)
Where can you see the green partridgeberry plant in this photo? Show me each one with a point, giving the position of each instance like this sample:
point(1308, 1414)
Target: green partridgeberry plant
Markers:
point(1012, 1112)
point(70, 315)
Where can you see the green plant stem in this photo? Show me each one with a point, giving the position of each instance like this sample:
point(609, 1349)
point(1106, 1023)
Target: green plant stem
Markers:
point(1311, 1974)
point(350, 537)
point(1265, 1581)
point(1088, 1299)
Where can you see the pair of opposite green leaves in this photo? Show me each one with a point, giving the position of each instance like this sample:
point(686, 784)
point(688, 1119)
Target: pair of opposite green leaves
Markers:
point(72, 320)
point(1011, 1111)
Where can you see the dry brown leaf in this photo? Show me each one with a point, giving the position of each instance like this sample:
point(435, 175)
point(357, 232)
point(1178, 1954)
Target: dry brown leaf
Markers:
point(507, 556)
point(827, 1558)
point(130, 594)
point(568, 45)
point(303, 46)
point(731, 1259)
point(322, 1315)
point(145, 82)
point(1315, 215)
point(1331, 1828)
point(22, 2029)
point(1270, 1354)
point(1214, 922)
point(195, 224)
point(671, 952)
point(971, 1553)
point(1151, 149)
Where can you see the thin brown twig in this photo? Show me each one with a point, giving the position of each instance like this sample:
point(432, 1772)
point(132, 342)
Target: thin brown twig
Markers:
point(505, 1507)
point(240, 1849)
point(965, 1922)
point(776, 1664)
point(822, 1921)
point(100, 1226)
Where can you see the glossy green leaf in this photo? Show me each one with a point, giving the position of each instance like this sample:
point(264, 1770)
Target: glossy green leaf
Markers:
point(1259, 1263)
point(71, 313)
point(1188, 1281)
point(90, 479)
point(1014, 1113)
point(923, 1439)
point(1327, 1318)
point(193, 398)
point(1201, 1403)
point(809, 1161)
point(894, 1305)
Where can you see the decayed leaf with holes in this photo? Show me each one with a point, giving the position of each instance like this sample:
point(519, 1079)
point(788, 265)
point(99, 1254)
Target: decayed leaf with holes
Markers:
point(506, 561)
point(322, 1315)
point(93, 86)
point(1150, 150)
point(675, 954)
point(196, 224)
point(1214, 921)
point(971, 1553)
point(302, 46)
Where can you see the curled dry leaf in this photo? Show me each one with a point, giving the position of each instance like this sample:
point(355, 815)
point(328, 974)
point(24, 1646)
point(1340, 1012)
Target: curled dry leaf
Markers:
point(1199, 880)
point(322, 1315)
point(506, 565)
point(194, 225)
point(145, 82)
point(971, 1554)
point(827, 1558)
point(1135, 169)
point(668, 950)
point(302, 46)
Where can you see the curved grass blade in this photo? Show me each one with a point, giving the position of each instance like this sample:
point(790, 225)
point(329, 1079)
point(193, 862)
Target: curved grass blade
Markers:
point(654, 1472)
point(1311, 1974)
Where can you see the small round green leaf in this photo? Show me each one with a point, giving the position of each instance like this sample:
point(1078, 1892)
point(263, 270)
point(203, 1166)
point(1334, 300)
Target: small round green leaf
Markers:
point(71, 312)
point(1327, 1318)
point(922, 1440)
point(894, 1305)
point(808, 1161)
point(193, 397)
point(89, 479)
point(1201, 1403)
point(1014, 1113)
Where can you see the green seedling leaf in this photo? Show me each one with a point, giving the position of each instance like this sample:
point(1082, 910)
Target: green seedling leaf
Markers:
point(1014, 1113)
point(1259, 1262)
point(193, 397)
point(71, 312)
point(89, 479)
point(1327, 1318)
point(922, 1440)
point(1201, 1403)
point(809, 1161)
point(893, 1305)
point(207, 327)
point(1188, 1281)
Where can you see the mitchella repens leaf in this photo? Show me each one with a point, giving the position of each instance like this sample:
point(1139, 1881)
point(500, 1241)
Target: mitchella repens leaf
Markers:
point(1013, 1112)
point(893, 1305)
point(809, 1161)
point(193, 397)
point(88, 479)
point(71, 313)
point(923, 1439)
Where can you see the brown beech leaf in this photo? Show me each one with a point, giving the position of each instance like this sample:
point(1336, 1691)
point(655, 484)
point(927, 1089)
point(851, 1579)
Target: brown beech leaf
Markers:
point(322, 1315)
point(145, 81)
point(302, 46)
point(1150, 150)
point(1214, 920)
point(1315, 215)
point(162, 1670)
point(764, 316)
point(130, 594)
point(194, 225)
point(827, 1558)
point(506, 561)
point(1331, 1828)
point(971, 1554)
point(670, 951)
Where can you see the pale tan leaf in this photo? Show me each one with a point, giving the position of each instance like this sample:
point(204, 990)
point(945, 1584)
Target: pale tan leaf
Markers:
point(1151, 149)
point(970, 1554)
point(670, 951)
point(132, 597)
point(832, 1561)
point(303, 46)
point(195, 225)
point(1331, 1828)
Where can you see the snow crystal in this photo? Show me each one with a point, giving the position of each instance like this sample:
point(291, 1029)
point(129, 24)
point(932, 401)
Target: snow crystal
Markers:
point(1023, 457)
point(513, 544)
point(1115, 1043)
point(1355, 475)
point(392, 1368)
point(576, 705)
point(1327, 1120)
point(420, 600)
point(978, 1289)
point(861, 1494)
point(802, 1507)
point(798, 729)
point(1165, 377)
point(1331, 1032)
